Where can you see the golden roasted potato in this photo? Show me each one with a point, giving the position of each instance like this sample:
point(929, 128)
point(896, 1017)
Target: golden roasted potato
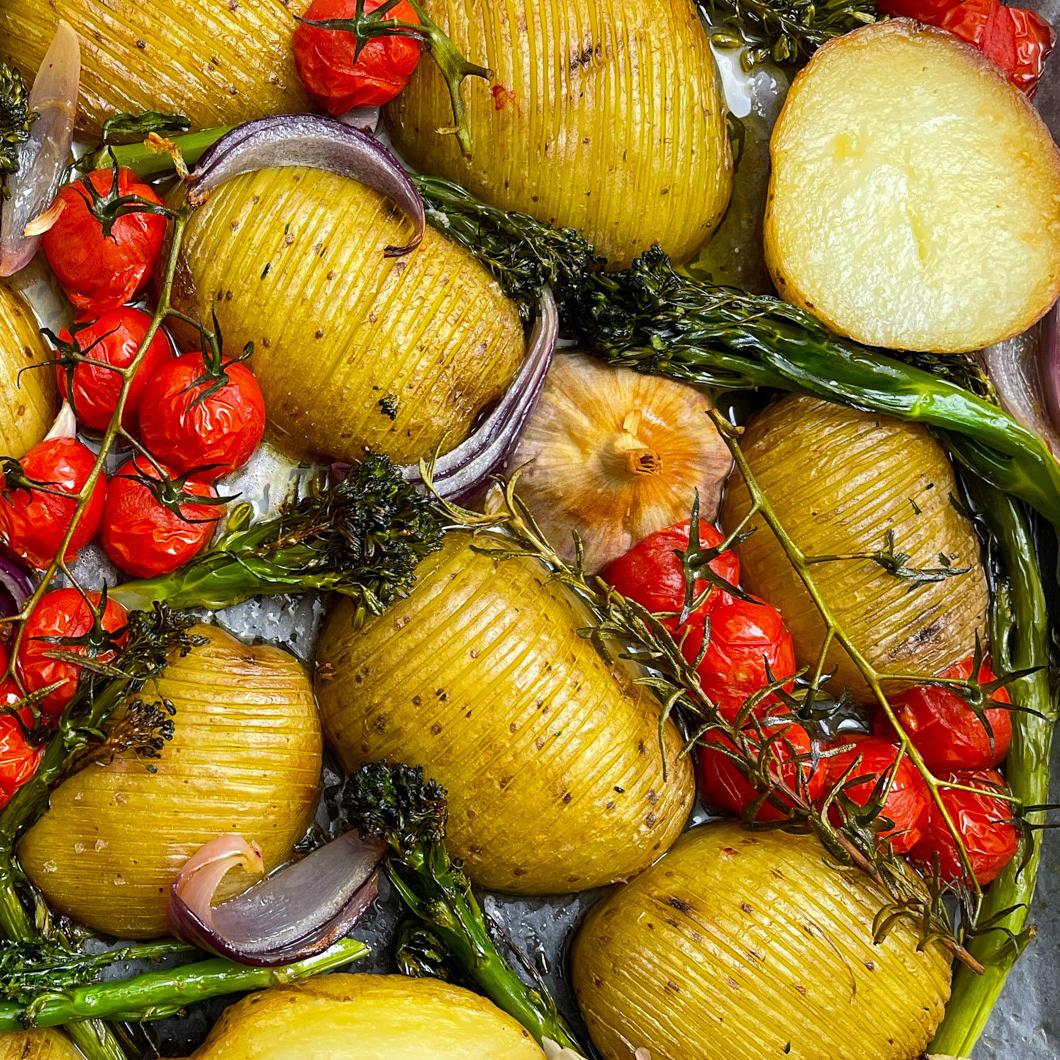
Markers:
point(352, 349)
point(840, 481)
point(603, 116)
point(741, 945)
point(549, 752)
point(215, 61)
point(245, 757)
point(44, 1044)
point(372, 1017)
point(914, 201)
point(28, 399)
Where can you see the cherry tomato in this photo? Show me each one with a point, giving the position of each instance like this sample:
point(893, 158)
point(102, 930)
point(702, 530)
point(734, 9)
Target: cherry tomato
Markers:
point(34, 521)
point(984, 823)
point(906, 803)
point(726, 787)
point(335, 76)
point(99, 272)
point(190, 429)
point(650, 573)
point(945, 730)
point(19, 758)
point(145, 537)
point(749, 648)
point(64, 614)
point(112, 339)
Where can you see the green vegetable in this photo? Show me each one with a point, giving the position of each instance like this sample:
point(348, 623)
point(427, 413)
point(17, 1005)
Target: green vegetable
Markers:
point(394, 803)
point(15, 117)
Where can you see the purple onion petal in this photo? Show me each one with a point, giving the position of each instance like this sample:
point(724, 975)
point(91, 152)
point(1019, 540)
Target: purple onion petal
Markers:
point(1049, 364)
point(17, 583)
point(316, 142)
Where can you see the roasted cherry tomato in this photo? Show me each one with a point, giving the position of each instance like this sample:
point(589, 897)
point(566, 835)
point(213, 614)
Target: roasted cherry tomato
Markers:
point(339, 79)
point(19, 758)
point(201, 422)
point(867, 759)
point(984, 823)
point(112, 339)
point(142, 531)
point(99, 272)
point(749, 648)
point(33, 520)
point(945, 730)
point(63, 621)
point(650, 573)
point(727, 787)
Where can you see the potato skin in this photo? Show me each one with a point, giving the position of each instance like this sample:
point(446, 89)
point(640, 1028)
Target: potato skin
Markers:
point(738, 943)
point(549, 753)
point(587, 123)
point(838, 480)
point(28, 402)
point(245, 757)
point(42, 1044)
point(293, 261)
point(187, 57)
point(375, 1017)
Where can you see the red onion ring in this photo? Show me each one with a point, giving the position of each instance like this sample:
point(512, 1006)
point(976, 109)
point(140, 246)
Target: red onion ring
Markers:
point(1049, 365)
point(43, 157)
point(317, 142)
point(295, 913)
point(17, 583)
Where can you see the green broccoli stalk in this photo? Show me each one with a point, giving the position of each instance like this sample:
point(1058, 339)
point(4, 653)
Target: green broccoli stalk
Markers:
point(394, 803)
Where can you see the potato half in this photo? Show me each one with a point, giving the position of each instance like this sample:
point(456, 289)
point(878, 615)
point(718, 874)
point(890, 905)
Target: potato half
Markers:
point(353, 349)
point(245, 757)
point(915, 195)
point(28, 399)
point(603, 116)
point(549, 752)
point(190, 57)
point(372, 1017)
point(839, 481)
point(740, 946)
point(45, 1044)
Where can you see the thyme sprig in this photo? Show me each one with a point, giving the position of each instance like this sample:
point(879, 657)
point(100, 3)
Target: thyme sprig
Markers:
point(896, 563)
point(15, 117)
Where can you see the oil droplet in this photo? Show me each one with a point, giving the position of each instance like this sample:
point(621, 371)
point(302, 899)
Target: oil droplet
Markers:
point(100, 844)
point(50, 866)
point(120, 797)
point(79, 847)
point(119, 880)
point(78, 796)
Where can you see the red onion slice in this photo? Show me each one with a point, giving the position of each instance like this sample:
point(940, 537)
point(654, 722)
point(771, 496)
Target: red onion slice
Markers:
point(297, 912)
point(43, 157)
point(465, 470)
point(317, 142)
point(17, 582)
point(1049, 366)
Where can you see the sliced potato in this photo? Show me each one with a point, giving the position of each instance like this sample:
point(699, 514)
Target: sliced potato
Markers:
point(218, 62)
point(839, 481)
point(915, 195)
point(603, 115)
point(28, 399)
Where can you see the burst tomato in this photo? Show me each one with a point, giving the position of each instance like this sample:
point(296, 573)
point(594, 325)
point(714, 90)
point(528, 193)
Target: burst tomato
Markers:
point(19, 758)
point(64, 621)
point(332, 72)
point(868, 759)
point(945, 730)
point(202, 423)
point(787, 756)
point(113, 340)
point(35, 520)
point(984, 823)
point(142, 531)
point(99, 272)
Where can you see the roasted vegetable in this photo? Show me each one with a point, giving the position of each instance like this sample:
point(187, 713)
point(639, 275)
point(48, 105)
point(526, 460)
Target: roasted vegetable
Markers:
point(586, 124)
point(245, 757)
point(353, 349)
point(844, 483)
point(388, 1017)
point(932, 224)
point(741, 945)
point(549, 753)
point(189, 57)
point(37, 1045)
point(28, 399)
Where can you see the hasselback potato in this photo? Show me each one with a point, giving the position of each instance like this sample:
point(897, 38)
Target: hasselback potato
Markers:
point(372, 1017)
point(841, 481)
point(190, 57)
point(44, 1044)
point(549, 752)
point(27, 401)
point(245, 757)
point(603, 116)
point(352, 348)
point(741, 945)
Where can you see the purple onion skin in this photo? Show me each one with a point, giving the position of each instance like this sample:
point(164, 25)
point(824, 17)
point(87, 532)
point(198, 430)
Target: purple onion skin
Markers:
point(17, 583)
point(316, 142)
point(1049, 365)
